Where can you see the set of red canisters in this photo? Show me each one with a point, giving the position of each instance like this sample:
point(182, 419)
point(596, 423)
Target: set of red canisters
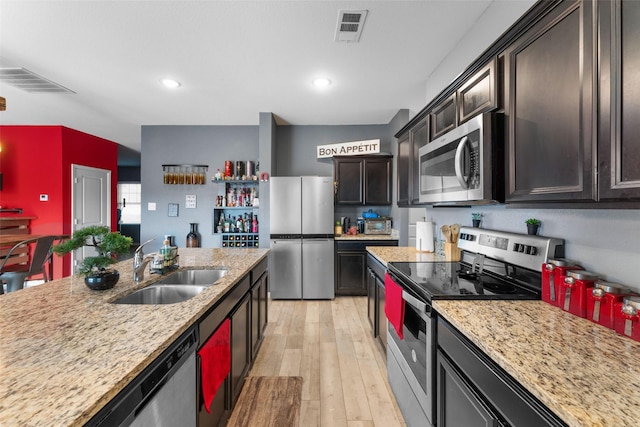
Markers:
point(567, 286)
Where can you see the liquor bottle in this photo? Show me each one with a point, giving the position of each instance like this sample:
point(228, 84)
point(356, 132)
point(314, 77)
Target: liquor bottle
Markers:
point(254, 224)
point(193, 238)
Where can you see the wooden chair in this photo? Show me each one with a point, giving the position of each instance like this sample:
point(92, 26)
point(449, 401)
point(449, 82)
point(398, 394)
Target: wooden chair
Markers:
point(14, 275)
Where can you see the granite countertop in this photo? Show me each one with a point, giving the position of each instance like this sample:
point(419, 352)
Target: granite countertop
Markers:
point(365, 237)
point(65, 351)
point(585, 373)
point(386, 254)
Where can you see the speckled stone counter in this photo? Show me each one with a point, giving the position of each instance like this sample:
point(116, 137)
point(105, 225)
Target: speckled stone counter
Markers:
point(365, 237)
point(386, 254)
point(585, 373)
point(65, 351)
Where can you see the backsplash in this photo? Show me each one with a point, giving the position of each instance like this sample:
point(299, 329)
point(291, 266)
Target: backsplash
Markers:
point(603, 241)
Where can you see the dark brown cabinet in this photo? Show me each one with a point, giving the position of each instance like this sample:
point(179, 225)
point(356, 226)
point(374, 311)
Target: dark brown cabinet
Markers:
point(619, 127)
point(376, 299)
point(363, 180)
point(444, 117)
point(550, 104)
point(240, 346)
point(351, 265)
point(479, 94)
point(409, 163)
point(259, 306)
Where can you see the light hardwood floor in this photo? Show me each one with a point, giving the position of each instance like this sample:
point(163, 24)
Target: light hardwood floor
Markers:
point(330, 345)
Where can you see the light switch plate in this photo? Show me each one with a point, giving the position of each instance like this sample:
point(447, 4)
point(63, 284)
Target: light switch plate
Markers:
point(44, 197)
point(151, 206)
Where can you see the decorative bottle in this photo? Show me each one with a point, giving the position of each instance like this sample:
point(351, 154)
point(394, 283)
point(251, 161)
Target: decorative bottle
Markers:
point(193, 238)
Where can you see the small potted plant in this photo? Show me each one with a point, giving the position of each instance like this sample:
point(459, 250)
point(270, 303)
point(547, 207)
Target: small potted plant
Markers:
point(476, 217)
point(532, 226)
point(108, 244)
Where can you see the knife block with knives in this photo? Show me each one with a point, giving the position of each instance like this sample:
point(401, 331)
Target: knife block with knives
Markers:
point(450, 234)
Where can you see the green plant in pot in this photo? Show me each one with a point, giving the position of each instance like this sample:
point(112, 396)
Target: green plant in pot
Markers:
point(108, 244)
point(533, 225)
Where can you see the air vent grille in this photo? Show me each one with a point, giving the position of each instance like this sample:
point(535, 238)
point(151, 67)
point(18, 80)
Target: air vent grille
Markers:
point(350, 23)
point(30, 81)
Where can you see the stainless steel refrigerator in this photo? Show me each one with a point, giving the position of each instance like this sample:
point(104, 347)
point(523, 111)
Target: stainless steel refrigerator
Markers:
point(302, 254)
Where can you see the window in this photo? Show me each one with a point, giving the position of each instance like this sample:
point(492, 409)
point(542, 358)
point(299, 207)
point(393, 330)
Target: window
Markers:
point(129, 202)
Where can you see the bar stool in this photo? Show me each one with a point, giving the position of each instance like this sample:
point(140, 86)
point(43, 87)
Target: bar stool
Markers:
point(15, 275)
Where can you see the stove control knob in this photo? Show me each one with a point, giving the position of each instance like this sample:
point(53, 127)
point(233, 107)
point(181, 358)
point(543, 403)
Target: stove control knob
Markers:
point(516, 247)
point(521, 248)
point(533, 250)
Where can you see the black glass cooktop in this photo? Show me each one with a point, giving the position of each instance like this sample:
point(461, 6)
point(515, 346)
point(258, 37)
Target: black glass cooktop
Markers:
point(455, 280)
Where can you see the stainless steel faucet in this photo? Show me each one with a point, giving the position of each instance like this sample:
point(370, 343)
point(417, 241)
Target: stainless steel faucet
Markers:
point(140, 262)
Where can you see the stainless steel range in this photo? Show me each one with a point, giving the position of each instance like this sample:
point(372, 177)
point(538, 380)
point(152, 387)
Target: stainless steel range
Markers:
point(494, 265)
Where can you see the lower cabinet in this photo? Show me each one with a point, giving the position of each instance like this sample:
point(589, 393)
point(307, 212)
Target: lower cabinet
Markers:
point(246, 306)
point(472, 390)
point(351, 265)
point(376, 299)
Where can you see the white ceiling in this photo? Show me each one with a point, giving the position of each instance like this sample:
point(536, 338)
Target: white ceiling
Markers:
point(234, 59)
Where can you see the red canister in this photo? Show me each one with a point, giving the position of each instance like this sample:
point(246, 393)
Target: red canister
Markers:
point(626, 317)
point(553, 274)
point(601, 301)
point(573, 291)
point(228, 168)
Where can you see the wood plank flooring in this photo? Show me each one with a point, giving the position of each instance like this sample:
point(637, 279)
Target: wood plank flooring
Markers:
point(330, 345)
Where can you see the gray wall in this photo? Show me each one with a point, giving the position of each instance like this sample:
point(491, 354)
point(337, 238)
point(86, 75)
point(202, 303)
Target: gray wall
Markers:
point(206, 145)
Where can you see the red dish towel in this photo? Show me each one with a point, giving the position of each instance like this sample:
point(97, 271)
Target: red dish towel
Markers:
point(394, 304)
point(216, 362)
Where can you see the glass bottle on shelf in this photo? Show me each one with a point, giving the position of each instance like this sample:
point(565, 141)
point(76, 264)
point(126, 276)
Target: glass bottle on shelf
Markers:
point(193, 238)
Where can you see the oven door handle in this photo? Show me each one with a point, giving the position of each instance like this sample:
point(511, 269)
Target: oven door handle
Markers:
point(414, 302)
point(462, 180)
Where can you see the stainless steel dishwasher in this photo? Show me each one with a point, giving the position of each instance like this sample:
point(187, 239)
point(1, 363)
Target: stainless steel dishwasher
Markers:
point(163, 395)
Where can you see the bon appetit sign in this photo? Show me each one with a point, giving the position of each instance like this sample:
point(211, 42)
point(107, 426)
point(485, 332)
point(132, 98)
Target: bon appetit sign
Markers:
point(370, 146)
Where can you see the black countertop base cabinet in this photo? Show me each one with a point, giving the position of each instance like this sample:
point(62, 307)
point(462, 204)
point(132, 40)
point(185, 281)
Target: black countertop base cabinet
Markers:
point(472, 390)
point(376, 300)
point(351, 265)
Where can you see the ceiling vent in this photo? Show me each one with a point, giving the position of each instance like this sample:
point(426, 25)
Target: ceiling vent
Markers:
point(350, 23)
point(29, 81)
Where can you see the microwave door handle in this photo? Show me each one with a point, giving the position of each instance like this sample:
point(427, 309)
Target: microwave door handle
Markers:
point(463, 180)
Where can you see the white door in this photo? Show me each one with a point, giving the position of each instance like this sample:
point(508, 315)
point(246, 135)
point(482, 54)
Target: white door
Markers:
point(90, 203)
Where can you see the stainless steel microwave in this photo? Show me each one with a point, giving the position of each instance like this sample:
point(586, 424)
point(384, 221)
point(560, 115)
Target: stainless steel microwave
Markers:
point(466, 165)
point(380, 225)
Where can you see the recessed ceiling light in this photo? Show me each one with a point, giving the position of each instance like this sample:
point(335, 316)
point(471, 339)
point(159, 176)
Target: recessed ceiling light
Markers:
point(170, 83)
point(321, 82)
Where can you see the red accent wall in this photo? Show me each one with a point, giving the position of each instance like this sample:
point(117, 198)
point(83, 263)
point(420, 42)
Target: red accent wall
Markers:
point(37, 160)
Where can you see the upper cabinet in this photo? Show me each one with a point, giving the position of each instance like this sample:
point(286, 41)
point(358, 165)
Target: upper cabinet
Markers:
point(363, 180)
point(619, 93)
point(444, 117)
point(479, 94)
point(409, 163)
point(549, 101)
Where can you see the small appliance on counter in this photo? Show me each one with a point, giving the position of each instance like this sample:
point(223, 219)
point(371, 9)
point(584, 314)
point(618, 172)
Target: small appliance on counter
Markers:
point(379, 225)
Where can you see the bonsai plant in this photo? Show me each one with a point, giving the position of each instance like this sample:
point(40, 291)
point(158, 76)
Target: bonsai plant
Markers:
point(532, 225)
point(107, 243)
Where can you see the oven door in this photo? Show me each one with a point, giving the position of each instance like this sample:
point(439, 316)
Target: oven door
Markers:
point(414, 355)
point(450, 166)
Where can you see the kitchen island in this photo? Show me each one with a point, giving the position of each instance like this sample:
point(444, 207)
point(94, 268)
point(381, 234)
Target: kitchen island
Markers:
point(583, 372)
point(66, 351)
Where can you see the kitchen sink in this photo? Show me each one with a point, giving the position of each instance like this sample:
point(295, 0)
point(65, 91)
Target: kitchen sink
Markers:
point(176, 287)
point(161, 294)
point(204, 277)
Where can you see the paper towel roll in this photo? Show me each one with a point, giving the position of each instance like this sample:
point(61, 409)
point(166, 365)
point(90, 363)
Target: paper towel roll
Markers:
point(424, 236)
